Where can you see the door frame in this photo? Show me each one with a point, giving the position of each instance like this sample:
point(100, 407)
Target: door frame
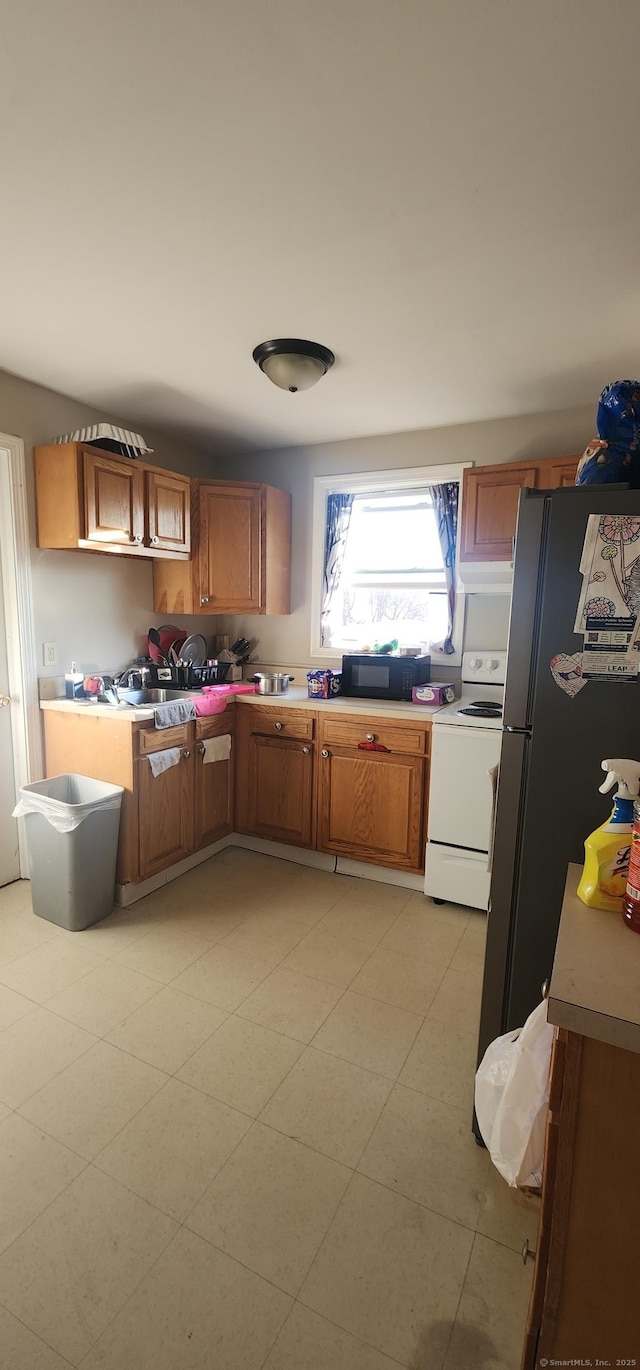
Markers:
point(15, 560)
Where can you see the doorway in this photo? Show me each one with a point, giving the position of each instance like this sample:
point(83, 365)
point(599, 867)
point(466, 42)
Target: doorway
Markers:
point(20, 741)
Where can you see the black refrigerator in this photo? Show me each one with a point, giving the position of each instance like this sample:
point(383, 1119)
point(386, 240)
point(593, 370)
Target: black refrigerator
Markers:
point(552, 746)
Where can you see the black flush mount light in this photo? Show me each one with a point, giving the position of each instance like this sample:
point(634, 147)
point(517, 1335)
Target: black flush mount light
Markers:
point(293, 363)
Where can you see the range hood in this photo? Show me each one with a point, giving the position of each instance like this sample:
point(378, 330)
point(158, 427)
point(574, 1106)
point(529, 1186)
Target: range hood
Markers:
point(485, 577)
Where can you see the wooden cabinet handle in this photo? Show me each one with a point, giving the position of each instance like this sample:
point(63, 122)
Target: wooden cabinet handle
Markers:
point(527, 1254)
point(155, 540)
point(138, 537)
point(370, 737)
point(204, 599)
point(186, 753)
point(544, 989)
point(324, 751)
point(278, 727)
point(305, 751)
point(202, 749)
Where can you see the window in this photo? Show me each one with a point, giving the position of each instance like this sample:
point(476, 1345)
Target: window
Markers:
point(390, 583)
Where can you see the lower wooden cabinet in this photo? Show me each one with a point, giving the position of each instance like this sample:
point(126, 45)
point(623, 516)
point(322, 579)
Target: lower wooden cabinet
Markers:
point(281, 771)
point(584, 1308)
point(164, 818)
point(371, 806)
point(165, 813)
point(190, 805)
point(331, 794)
point(294, 776)
point(275, 781)
point(213, 794)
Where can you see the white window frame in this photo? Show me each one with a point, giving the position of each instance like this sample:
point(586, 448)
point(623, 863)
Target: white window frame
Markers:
point(366, 483)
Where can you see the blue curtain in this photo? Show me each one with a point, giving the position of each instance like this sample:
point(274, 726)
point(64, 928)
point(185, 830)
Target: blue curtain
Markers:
point(338, 520)
point(445, 505)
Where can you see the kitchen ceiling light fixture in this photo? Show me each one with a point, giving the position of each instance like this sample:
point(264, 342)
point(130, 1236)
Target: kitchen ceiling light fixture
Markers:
point(293, 363)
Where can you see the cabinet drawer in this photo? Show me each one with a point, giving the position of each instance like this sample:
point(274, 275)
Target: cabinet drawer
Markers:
point(350, 733)
point(281, 722)
point(157, 739)
point(216, 725)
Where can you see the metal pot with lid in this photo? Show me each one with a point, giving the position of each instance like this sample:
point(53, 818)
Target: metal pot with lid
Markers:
point(271, 682)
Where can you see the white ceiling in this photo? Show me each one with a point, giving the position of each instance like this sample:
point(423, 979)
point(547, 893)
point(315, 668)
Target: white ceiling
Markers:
point(445, 192)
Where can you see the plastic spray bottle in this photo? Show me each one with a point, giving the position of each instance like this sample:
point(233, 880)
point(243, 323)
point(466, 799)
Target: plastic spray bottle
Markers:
point(604, 878)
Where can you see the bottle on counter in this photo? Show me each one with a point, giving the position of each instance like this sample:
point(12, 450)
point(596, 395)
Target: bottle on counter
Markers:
point(604, 878)
point(74, 683)
point(631, 902)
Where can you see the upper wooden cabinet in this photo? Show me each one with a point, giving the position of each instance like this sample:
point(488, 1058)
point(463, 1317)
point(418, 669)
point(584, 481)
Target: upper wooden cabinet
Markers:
point(229, 558)
point(490, 496)
point(99, 502)
point(169, 511)
point(553, 474)
point(113, 501)
point(241, 557)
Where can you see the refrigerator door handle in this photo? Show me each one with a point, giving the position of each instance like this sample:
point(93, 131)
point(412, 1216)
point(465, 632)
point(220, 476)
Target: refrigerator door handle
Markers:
point(521, 732)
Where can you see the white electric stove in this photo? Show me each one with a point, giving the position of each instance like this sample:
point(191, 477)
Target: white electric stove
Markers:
point(466, 743)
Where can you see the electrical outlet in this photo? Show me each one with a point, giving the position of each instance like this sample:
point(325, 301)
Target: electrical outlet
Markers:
point(50, 653)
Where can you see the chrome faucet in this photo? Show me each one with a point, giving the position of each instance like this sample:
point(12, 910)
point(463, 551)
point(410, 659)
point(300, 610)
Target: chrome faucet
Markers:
point(134, 678)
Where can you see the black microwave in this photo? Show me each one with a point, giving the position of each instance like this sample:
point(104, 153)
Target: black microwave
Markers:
point(371, 675)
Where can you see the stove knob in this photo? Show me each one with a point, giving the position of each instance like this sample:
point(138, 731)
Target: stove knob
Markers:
point(493, 664)
point(476, 663)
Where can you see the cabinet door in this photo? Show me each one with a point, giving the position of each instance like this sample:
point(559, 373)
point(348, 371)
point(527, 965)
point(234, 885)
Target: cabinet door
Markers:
point(165, 813)
point(229, 560)
point(169, 512)
point(554, 474)
point(490, 510)
point(113, 501)
point(214, 798)
point(280, 777)
point(371, 806)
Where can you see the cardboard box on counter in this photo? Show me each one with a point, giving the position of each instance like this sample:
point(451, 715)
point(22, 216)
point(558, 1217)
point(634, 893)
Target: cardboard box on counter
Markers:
point(433, 693)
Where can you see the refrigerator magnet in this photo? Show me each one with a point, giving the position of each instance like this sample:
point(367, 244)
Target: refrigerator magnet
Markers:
point(566, 670)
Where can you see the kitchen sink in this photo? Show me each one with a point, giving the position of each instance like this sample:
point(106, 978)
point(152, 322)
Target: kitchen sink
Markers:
point(155, 696)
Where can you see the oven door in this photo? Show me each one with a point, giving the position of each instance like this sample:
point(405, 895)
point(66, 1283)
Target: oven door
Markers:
point(461, 788)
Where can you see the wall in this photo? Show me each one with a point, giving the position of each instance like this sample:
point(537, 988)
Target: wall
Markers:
point(96, 608)
point(285, 641)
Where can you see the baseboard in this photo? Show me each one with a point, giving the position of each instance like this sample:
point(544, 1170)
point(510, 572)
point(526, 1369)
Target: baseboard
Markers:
point(125, 895)
point(365, 870)
point(302, 856)
point(130, 894)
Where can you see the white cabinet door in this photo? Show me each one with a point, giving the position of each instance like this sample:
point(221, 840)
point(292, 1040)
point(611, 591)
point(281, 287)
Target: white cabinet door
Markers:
point(460, 788)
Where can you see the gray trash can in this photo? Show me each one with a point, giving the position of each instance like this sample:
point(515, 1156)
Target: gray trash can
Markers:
point(72, 825)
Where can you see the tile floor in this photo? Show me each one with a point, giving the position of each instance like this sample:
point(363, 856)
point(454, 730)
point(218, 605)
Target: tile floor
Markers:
point(235, 1133)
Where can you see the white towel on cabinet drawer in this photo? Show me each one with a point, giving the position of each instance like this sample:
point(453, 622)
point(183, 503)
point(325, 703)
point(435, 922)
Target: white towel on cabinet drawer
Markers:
point(163, 761)
point(217, 748)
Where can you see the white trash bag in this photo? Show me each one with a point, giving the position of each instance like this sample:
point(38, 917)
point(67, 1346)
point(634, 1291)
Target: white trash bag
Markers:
point(512, 1096)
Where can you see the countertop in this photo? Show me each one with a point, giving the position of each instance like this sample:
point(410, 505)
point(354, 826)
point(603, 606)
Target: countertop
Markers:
point(86, 706)
point(595, 984)
point(296, 698)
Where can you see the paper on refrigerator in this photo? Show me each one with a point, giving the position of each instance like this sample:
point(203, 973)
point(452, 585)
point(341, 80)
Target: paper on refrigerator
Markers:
point(608, 612)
